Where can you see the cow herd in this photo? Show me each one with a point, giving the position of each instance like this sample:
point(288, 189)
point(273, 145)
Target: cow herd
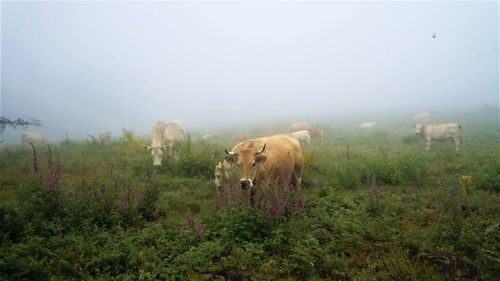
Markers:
point(267, 160)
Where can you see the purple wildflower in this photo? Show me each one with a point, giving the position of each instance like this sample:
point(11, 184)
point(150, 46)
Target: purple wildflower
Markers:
point(276, 206)
point(123, 204)
point(198, 231)
point(189, 219)
point(156, 214)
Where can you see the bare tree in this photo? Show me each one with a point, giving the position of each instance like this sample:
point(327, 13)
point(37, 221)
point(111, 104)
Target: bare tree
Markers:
point(16, 123)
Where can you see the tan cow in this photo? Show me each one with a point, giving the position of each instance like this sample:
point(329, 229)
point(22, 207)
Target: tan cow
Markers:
point(317, 133)
point(163, 136)
point(300, 126)
point(33, 137)
point(268, 160)
point(224, 174)
point(105, 137)
point(440, 132)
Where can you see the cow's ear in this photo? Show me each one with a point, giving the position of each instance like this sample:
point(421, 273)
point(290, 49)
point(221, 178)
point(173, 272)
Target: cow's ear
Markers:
point(260, 158)
point(231, 158)
point(147, 147)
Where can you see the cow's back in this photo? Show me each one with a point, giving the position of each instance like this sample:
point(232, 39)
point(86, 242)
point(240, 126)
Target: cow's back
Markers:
point(175, 131)
point(299, 127)
point(283, 152)
point(443, 131)
point(32, 137)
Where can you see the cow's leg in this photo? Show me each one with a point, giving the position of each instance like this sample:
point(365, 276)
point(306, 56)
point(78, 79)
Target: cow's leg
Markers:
point(457, 142)
point(428, 144)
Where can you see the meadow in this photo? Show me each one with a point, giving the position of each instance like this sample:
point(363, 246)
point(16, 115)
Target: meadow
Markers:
point(384, 209)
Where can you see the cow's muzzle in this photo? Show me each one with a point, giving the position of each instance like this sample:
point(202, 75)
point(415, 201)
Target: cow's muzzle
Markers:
point(246, 184)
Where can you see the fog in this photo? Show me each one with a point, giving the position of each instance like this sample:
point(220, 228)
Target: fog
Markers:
point(88, 67)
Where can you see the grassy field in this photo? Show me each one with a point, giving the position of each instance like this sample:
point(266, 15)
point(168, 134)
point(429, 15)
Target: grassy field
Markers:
point(387, 210)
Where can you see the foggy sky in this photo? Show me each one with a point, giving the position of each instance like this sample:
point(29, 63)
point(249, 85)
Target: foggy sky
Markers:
point(87, 67)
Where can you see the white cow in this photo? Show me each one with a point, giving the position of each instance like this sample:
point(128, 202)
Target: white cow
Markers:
point(368, 125)
point(33, 137)
point(440, 132)
point(162, 138)
point(207, 137)
point(302, 136)
point(422, 118)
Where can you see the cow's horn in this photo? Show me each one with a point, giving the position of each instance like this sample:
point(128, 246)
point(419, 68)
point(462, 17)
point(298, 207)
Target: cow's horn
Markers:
point(263, 148)
point(230, 153)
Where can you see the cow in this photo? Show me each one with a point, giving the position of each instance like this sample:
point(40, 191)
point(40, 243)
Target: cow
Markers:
point(299, 127)
point(317, 133)
point(105, 137)
point(368, 125)
point(163, 136)
point(224, 174)
point(266, 161)
point(440, 132)
point(33, 137)
point(207, 137)
point(302, 136)
point(422, 118)
point(240, 137)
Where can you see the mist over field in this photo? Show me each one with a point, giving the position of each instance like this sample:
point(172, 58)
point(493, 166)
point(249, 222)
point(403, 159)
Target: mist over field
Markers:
point(89, 67)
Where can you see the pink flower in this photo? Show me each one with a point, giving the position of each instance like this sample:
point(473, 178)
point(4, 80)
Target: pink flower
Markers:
point(189, 219)
point(198, 231)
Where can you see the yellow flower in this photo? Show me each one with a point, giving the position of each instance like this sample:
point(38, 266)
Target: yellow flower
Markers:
point(466, 180)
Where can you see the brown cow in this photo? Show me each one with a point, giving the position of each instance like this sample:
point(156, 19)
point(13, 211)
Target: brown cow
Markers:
point(105, 137)
point(266, 161)
point(317, 133)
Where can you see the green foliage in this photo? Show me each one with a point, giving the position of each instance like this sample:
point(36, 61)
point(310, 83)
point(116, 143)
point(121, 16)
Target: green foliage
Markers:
point(116, 217)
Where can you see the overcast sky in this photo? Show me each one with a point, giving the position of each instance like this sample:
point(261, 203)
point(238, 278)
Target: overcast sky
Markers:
point(97, 66)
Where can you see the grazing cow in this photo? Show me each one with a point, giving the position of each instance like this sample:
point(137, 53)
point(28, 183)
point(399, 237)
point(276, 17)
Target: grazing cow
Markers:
point(302, 136)
point(33, 137)
point(207, 137)
point(163, 136)
point(105, 137)
point(441, 132)
point(240, 137)
point(422, 118)
point(224, 174)
point(299, 127)
point(266, 161)
point(317, 133)
point(368, 125)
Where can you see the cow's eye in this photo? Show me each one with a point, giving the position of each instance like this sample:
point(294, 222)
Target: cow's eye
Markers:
point(253, 164)
point(238, 164)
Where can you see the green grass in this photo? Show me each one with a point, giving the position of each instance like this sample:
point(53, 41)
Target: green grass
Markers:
point(113, 216)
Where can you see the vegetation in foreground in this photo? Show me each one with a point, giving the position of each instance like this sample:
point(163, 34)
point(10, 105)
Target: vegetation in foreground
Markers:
point(384, 210)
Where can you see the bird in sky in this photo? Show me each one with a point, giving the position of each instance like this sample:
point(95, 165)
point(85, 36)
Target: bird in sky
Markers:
point(434, 35)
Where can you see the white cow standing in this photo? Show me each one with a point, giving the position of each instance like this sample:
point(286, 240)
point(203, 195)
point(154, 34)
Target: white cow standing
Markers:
point(440, 132)
point(302, 136)
point(162, 139)
point(368, 125)
point(33, 137)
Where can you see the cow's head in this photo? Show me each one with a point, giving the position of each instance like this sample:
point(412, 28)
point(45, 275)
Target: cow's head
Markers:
point(247, 162)
point(157, 152)
point(419, 129)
